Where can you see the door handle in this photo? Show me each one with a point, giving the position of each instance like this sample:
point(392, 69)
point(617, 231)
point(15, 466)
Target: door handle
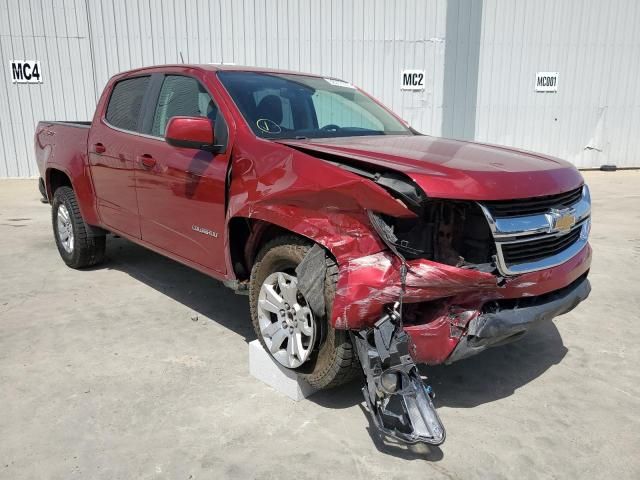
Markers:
point(147, 161)
point(99, 148)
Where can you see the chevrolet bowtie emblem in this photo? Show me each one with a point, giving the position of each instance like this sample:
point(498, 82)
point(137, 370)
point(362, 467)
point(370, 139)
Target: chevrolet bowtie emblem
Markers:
point(561, 220)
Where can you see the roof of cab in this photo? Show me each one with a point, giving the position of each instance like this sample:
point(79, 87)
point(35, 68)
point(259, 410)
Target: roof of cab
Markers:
point(214, 67)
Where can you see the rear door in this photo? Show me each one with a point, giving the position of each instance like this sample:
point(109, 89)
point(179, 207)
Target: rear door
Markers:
point(181, 191)
point(112, 148)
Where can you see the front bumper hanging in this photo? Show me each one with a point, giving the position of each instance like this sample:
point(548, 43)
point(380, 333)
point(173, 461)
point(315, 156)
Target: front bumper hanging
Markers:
point(399, 402)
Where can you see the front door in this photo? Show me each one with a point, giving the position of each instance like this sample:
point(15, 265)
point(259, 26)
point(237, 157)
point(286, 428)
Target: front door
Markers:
point(112, 156)
point(181, 191)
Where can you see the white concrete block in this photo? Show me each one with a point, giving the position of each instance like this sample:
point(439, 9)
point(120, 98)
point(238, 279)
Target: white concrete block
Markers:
point(265, 368)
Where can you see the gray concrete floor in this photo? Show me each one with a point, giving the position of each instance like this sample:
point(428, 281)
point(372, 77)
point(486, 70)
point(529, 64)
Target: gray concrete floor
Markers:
point(138, 369)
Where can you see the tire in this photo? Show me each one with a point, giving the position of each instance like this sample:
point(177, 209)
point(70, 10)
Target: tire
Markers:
point(43, 191)
point(84, 248)
point(333, 360)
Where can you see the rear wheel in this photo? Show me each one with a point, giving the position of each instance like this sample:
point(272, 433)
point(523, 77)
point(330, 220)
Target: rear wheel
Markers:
point(285, 323)
point(78, 246)
point(43, 191)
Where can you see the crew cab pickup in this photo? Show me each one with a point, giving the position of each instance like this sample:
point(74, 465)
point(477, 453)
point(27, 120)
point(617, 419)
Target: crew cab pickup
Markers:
point(325, 207)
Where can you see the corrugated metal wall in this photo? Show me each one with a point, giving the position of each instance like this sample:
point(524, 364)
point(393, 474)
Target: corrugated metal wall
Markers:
point(56, 34)
point(594, 118)
point(480, 58)
point(81, 43)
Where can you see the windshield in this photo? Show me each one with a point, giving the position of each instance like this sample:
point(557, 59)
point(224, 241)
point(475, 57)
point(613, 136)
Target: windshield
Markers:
point(295, 106)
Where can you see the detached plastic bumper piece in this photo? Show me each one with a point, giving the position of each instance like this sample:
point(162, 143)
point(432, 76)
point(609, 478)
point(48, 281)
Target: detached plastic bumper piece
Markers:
point(398, 400)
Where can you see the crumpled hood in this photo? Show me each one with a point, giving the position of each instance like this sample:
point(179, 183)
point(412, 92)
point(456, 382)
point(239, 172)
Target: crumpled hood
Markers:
point(457, 169)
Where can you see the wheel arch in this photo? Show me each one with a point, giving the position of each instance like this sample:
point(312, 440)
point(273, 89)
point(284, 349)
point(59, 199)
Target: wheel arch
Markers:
point(345, 235)
point(54, 179)
point(247, 236)
point(76, 177)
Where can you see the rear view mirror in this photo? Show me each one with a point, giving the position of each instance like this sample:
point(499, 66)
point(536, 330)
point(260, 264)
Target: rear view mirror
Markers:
point(191, 132)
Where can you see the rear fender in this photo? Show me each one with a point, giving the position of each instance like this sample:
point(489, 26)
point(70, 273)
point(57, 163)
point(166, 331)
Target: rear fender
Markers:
point(78, 173)
point(63, 148)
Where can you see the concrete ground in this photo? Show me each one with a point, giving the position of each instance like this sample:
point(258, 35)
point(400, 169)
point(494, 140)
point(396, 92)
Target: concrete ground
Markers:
point(138, 369)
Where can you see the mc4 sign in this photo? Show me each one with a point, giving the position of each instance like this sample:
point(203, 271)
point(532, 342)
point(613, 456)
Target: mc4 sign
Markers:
point(25, 71)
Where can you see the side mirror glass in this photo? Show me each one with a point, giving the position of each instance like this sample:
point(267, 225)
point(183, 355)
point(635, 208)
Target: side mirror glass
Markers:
point(191, 132)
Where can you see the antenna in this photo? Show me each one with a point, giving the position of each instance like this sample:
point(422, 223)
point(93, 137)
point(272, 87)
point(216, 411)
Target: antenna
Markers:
point(181, 57)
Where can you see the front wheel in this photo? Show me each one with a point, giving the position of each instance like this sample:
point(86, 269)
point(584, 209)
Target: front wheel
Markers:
point(286, 325)
point(78, 246)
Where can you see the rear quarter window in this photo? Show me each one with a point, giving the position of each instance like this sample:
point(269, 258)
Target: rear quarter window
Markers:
point(125, 103)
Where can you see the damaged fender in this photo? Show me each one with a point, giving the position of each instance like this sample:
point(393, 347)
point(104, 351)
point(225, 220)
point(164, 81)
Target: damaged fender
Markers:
point(328, 207)
point(331, 209)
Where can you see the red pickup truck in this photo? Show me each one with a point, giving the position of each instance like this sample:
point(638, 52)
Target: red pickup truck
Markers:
point(326, 208)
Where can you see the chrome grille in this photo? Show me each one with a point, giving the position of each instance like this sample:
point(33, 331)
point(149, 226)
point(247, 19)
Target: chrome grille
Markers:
point(532, 250)
point(547, 232)
point(532, 206)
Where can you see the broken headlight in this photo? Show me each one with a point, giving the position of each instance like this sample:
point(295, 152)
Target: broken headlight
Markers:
point(450, 232)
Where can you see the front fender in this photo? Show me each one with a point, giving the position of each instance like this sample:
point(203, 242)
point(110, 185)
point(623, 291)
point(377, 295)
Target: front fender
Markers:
point(345, 236)
point(309, 197)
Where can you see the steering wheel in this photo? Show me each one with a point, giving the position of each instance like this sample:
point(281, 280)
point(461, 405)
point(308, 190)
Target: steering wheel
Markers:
point(332, 127)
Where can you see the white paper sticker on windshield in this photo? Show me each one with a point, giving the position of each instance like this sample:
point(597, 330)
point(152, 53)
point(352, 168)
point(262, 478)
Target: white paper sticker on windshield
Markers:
point(339, 83)
point(268, 126)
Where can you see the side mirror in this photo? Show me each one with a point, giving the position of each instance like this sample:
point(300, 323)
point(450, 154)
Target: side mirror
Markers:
point(191, 132)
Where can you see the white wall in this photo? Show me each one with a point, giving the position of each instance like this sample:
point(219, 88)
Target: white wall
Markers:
point(480, 57)
point(56, 34)
point(82, 43)
point(594, 45)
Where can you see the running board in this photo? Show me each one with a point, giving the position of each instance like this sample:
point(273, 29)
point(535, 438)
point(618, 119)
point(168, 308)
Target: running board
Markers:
point(398, 400)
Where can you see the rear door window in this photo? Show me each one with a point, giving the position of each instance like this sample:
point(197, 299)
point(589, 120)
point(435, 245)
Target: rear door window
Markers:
point(125, 104)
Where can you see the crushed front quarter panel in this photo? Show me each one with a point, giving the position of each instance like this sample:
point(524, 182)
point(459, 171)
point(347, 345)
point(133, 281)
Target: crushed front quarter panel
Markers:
point(327, 204)
point(309, 197)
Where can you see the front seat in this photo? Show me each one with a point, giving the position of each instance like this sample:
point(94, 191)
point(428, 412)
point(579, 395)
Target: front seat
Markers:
point(270, 108)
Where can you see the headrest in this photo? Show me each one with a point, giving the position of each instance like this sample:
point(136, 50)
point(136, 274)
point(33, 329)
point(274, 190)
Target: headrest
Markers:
point(270, 108)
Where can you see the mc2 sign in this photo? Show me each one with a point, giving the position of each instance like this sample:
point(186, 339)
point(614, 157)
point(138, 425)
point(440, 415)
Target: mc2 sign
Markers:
point(412, 80)
point(25, 71)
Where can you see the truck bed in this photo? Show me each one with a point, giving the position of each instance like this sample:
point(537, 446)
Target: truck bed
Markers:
point(66, 139)
point(68, 123)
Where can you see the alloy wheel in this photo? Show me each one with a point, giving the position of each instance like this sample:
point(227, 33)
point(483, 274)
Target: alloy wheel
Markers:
point(286, 321)
point(65, 229)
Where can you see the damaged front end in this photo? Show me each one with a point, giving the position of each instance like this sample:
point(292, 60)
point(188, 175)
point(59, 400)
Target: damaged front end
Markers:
point(420, 279)
point(447, 267)
point(455, 257)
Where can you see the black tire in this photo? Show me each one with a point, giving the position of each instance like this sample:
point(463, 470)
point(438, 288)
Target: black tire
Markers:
point(87, 247)
point(43, 191)
point(334, 360)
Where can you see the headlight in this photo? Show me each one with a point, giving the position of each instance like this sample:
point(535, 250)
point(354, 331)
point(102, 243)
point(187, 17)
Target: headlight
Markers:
point(447, 231)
